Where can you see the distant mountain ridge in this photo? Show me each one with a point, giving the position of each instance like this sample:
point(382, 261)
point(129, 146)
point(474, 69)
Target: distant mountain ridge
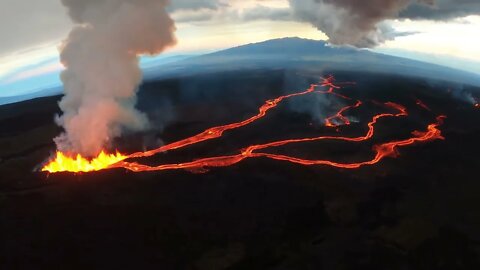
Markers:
point(311, 54)
point(287, 46)
point(38, 94)
point(288, 53)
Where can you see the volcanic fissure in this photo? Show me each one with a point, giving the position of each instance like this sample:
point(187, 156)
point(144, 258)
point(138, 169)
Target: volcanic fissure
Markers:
point(77, 163)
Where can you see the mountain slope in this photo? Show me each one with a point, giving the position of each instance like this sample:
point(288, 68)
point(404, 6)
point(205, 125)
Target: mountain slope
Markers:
point(289, 53)
point(296, 53)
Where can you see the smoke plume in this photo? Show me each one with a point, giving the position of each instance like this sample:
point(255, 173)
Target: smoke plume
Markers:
point(102, 68)
point(353, 22)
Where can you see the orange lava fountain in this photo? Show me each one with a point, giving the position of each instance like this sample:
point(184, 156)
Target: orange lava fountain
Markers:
point(63, 163)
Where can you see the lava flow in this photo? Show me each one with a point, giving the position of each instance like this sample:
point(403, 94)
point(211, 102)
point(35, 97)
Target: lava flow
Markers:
point(63, 163)
point(382, 150)
point(217, 132)
point(329, 121)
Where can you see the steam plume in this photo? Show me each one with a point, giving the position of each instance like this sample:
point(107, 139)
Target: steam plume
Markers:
point(354, 22)
point(102, 70)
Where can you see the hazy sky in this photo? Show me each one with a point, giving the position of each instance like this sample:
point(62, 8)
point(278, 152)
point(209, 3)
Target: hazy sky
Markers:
point(31, 30)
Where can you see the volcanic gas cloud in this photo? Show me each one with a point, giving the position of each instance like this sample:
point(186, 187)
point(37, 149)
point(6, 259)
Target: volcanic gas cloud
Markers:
point(102, 70)
point(355, 22)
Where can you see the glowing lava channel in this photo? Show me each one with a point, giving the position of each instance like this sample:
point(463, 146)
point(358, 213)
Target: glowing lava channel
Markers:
point(217, 132)
point(64, 163)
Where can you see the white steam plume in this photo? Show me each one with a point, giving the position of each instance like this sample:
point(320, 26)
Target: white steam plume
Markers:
point(102, 68)
point(354, 22)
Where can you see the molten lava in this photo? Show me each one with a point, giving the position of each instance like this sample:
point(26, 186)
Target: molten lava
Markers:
point(103, 161)
point(329, 121)
point(382, 150)
point(64, 163)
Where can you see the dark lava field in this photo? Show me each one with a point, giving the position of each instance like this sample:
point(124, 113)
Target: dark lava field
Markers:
point(416, 211)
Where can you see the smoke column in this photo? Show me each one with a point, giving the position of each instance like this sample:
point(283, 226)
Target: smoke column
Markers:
point(102, 68)
point(353, 22)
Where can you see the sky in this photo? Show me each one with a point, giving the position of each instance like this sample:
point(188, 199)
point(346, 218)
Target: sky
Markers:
point(445, 32)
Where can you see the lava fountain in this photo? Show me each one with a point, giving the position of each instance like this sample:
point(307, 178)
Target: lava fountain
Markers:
point(67, 163)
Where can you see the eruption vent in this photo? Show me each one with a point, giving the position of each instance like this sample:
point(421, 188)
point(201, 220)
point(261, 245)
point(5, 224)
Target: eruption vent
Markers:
point(102, 70)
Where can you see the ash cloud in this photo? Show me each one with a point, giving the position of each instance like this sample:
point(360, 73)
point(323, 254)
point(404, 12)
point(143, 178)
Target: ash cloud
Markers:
point(102, 68)
point(363, 23)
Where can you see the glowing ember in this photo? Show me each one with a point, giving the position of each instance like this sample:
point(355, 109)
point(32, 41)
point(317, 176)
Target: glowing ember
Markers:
point(477, 105)
point(104, 161)
point(423, 105)
point(64, 163)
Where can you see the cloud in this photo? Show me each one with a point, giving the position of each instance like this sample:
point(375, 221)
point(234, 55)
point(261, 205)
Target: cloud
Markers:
point(40, 70)
point(187, 16)
point(362, 23)
point(442, 10)
point(195, 5)
point(261, 12)
point(27, 23)
point(233, 13)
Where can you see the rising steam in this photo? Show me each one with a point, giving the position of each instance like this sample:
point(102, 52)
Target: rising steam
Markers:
point(102, 68)
point(353, 22)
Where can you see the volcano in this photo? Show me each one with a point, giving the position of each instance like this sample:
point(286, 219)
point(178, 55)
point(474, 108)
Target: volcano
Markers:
point(337, 161)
